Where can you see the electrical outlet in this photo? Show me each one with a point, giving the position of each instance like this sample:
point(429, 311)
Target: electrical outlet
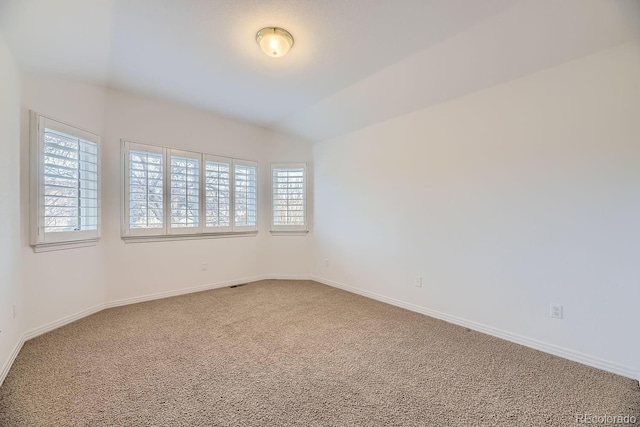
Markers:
point(556, 311)
point(15, 311)
point(326, 263)
point(204, 266)
point(418, 281)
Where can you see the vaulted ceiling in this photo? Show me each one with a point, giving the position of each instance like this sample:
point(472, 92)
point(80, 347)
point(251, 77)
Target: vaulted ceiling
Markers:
point(354, 62)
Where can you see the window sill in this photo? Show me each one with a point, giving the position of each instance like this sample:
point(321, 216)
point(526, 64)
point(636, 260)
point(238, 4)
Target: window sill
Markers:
point(289, 233)
point(174, 237)
point(60, 246)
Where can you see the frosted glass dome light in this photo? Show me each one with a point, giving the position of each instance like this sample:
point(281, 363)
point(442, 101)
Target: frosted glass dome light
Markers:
point(274, 41)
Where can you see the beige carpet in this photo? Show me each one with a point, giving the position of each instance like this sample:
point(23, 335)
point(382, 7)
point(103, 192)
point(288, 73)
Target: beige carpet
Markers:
point(293, 353)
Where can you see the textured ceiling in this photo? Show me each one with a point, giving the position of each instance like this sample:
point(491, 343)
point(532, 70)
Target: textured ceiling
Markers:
point(354, 62)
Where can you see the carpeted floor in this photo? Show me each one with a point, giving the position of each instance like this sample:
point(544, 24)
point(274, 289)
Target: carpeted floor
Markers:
point(293, 353)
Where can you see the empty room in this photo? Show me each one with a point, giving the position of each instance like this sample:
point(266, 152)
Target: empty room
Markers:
point(319, 213)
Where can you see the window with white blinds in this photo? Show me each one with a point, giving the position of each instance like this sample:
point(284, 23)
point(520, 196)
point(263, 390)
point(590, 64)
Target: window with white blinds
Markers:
point(185, 191)
point(245, 195)
point(193, 194)
point(65, 183)
point(146, 189)
point(288, 197)
point(217, 193)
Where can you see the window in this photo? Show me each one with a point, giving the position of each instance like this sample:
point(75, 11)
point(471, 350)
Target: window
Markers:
point(185, 192)
point(145, 182)
point(172, 192)
point(65, 200)
point(289, 197)
point(217, 185)
point(245, 195)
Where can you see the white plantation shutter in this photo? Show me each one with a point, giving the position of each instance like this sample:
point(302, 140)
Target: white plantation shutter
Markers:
point(172, 192)
point(185, 192)
point(288, 197)
point(88, 195)
point(218, 190)
point(65, 190)
point(245, 195)
point(144, 184)
point(70, 183)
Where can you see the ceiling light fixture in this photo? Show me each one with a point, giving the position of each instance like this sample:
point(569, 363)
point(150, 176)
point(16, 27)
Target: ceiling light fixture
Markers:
point(274, 41)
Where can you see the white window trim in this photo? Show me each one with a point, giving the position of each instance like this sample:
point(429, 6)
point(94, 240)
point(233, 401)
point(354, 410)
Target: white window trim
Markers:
point(166, 232)
point(289, 233)
point(169, 237)
point(290, 229)
point(40, 240)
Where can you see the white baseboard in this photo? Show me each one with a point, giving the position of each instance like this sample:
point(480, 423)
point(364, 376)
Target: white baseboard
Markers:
point(42, 330)
point(183, 291)
point(565, 353)
point(12, 357)
point(288, 277)
point(61, 322)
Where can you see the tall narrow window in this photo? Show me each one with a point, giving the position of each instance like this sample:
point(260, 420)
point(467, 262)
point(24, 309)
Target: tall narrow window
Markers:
point(65, 183)
point(245, 192)
point(288, 197)
point(146, 189)
point(185, 192)
point(217, 193)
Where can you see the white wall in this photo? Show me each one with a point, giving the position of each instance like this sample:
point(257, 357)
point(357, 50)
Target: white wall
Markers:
point(10, 290)
point(136, 269)
point(503, 201)
point(288, 255)
point(59, 283)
